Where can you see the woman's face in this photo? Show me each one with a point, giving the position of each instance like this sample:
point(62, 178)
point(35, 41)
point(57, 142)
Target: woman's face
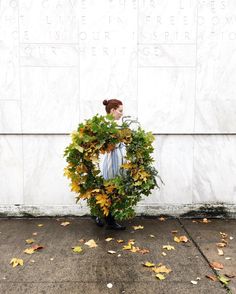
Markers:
point(118, 112)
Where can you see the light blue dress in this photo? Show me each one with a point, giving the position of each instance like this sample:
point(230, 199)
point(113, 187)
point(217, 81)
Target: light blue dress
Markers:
point(112, 162)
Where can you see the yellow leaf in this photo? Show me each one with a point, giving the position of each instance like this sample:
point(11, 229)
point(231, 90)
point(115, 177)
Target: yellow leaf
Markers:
point(75, 187)
point(134, 249)
point(138, 227)
point(16, 261)
point(119, 241)
point(168, 247)
point(29, 241)
point(91, 243)
point(161, 269)
point(29, 250)
point(160, 276)
point(77, 249)
point(65, 224)
point(181, 239)
point(109, 239)
point(127, 247)
point(148, 264)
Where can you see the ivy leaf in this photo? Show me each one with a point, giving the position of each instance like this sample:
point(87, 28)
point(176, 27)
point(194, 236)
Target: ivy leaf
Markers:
point(77, 249)
point(16, 261)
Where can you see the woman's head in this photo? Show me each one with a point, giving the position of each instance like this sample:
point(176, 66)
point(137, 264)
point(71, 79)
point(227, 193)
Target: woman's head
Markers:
point(114, 107)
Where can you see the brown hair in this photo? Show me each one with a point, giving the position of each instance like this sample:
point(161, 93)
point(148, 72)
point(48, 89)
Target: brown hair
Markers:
point(112, 103)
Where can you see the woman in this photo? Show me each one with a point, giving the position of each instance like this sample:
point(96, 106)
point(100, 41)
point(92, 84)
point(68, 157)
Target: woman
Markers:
point(112, 160)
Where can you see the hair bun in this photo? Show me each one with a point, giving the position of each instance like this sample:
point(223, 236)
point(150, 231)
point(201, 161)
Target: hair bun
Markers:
point(105, 102)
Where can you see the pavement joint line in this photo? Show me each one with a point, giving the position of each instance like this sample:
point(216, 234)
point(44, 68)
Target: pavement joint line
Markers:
point(203, 255)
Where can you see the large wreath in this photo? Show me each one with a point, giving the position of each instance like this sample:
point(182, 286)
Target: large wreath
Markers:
point(117, 196)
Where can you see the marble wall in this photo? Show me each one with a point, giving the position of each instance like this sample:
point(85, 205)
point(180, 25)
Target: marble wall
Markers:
point(172, 63)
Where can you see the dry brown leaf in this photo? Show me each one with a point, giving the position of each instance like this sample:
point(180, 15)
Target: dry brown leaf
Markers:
point(211, 277)
point(91, 243)
point(37, 247)
point(144, 251)
point(216, 265)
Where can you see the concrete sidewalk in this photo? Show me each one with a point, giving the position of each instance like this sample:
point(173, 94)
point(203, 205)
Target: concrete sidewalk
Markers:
point(57, 269)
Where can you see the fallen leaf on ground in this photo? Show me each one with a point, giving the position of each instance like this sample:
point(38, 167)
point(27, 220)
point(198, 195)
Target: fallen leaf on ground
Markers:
point(220, 252)
point(120, 241)
point(138, 227)
point(127, 247)
point(230, 275)
point(206, 221)
point(181, 239)
point(194, 282)
point(37, 247)
point(144, 251)
point(162, 219)
point(224, 280)
point(40, 225)
point(109, 239)
point(29, 241)
point(134, 249)
point(163, 253)
point(161, 269)
point(81, 240)
point(148, 264)
point(211, 277)
point(174, 232)
point(111, 251)
point(77, 249)
point(227, 258)
point(168, 247)
point(64, 224)
point(152, 236)
point(216, 265)
point(16, 261)
point(221, 245)
point(160, 276)
point(29, 251)
point(35, 234)
point(91, 243)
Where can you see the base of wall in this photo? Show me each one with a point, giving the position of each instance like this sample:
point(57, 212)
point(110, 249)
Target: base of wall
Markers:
point(200, 210)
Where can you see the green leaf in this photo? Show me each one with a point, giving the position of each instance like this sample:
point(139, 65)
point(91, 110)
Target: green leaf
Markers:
point(223, 279)
point(77, 249)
